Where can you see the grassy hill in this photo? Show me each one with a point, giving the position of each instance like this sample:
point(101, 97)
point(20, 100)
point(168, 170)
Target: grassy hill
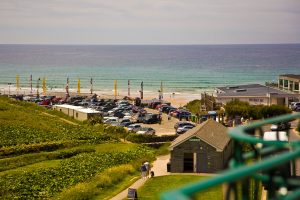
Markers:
point(45, 154)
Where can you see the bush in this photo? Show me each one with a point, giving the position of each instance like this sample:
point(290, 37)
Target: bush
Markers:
point(194, 106)
point(243, 109)
point(140, 138)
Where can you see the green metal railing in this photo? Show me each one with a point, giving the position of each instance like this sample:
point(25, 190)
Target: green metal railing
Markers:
point(267, 163)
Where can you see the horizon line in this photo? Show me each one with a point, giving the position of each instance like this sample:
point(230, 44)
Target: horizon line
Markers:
point(98, 44)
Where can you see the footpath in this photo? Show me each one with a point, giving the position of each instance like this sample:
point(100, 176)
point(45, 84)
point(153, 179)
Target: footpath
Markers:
point(160, 169)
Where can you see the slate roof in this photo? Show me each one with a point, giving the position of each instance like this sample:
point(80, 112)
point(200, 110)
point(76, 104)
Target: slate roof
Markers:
point(293, 76)
point(210, 131)
point(249, 90)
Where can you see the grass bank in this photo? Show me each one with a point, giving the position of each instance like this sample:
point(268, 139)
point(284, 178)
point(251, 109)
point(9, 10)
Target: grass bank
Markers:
point(152, 189)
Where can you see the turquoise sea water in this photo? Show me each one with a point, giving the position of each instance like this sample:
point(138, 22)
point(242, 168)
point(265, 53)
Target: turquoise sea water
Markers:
point(182, 68)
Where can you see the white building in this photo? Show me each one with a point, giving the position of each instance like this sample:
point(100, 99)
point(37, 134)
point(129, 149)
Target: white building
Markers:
point(254, 94)
point(290, 82)
point(76, 112)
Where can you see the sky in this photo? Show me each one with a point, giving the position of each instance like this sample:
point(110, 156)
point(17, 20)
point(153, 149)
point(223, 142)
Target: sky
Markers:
point(149, 21)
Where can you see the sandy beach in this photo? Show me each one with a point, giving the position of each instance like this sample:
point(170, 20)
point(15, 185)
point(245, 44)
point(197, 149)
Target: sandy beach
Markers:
point(176, 99)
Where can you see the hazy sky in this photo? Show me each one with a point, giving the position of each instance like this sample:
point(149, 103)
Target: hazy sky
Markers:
point(149, 21)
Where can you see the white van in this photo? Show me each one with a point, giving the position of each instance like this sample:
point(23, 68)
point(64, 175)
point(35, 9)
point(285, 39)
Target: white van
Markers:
point(272, 136)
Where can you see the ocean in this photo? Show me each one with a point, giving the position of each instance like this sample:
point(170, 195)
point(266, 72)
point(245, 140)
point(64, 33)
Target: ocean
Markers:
point(181, 68)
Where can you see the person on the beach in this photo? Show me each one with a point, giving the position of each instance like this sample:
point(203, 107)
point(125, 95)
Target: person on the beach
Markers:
point(143, 171)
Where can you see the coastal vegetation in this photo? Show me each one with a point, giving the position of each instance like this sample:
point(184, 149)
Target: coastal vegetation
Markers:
point(247, 111)
point(44, 154)
point(194, 106)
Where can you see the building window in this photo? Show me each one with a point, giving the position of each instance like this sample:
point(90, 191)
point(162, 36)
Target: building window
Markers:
point(280, 82)
point(76, 115)
point(60, 110)
point(296, 87)
point(286, 83)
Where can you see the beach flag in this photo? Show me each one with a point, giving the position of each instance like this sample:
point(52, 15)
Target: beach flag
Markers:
point(37, 87)
point(116, 88)
point(161, 90)
point(18, 83)
point(31, 84)
point(78, 86)
point(128, 88)
point(91, 86)
point(44, 86)
point(142, 90)
point(67, 88)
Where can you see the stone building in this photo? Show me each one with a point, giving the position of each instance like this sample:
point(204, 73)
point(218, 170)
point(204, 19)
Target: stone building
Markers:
point(203, 149)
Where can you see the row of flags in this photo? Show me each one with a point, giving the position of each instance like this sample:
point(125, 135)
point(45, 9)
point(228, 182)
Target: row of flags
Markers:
point(44, 87)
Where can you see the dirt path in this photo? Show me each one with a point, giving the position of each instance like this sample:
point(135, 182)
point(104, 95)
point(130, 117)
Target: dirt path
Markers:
point(160, 169)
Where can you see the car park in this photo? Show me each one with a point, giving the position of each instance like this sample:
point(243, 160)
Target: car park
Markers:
point(146, 130)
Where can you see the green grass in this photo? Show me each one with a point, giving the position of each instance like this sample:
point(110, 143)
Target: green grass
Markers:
point(102, 186)
point(163, 150)
point(31, 158)
point(152, 189)
point(42, 155)
point(32, 167)
point(27, 124)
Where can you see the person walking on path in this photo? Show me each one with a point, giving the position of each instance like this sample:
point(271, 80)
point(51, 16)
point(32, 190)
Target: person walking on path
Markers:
point(143, 171)
point(147, 165)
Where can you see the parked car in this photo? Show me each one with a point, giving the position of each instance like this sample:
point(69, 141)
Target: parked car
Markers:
point(140, 117)
point(146, 130)
point(166, 109)
point(125, 124)
point(281, 126)
point(181, 124)
point(151, 118)
point(134, 127)
point(273, 136)
point(124, 120)
point(184, 129)
point(108, 120)
point(295, 105)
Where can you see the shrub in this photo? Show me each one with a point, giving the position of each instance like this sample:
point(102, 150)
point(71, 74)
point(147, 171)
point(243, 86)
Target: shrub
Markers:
point(243, 109)
point(140, 138)
point(194, 106)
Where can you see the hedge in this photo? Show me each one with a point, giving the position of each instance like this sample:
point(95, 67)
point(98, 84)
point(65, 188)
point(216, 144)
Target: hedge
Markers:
point(140, 138)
